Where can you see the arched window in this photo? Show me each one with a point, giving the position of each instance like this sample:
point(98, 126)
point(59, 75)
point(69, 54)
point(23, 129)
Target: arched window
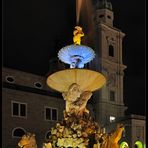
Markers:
point(109, 16)
point(124, 145)
point(138, 144)
point(18, 132)
point(47, 135)
point(101, 16)
point(112, 95)
point(111, 51)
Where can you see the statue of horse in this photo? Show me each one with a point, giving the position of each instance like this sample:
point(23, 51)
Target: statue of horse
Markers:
point(27, 141)
point(110, 140)
point(113, 138)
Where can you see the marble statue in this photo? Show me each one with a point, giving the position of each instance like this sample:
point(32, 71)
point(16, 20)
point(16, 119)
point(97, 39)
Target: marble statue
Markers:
point(76, 100)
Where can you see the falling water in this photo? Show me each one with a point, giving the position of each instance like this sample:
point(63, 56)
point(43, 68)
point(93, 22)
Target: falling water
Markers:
point(85, 13)
point(78, 10)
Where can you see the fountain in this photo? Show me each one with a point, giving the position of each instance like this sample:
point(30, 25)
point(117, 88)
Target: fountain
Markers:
point(78, 129)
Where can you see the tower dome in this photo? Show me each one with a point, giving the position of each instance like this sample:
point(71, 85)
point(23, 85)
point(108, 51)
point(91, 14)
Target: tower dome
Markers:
point(104, 4)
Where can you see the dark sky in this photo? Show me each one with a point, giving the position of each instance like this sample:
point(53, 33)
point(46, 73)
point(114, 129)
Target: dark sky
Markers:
point(34, 30)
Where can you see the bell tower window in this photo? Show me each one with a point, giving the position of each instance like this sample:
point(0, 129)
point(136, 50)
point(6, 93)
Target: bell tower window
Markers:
point(111, 51)
point(101, 16)
point(109, 17)
point(112, 95)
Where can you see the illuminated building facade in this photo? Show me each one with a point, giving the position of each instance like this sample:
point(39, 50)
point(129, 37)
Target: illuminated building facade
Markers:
point(28, 106)
point(109, 61)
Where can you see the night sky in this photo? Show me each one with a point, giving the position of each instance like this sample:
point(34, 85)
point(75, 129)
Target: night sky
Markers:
point(34, 30)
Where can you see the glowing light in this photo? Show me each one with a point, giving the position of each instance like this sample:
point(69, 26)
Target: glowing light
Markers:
point(76, 55)
point(139, 144)
point(144, 146)
point(112, 118)
point(78, 8)
point(124, 145)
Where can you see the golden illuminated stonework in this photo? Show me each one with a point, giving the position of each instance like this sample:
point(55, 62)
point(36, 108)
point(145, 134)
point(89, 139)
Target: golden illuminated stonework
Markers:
point(75, 131)
point(27, 141)
point(78, 129)
point(76, 100)
point(87, 80)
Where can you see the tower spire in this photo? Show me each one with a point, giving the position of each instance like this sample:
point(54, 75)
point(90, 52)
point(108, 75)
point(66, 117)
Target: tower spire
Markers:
point(104, 4)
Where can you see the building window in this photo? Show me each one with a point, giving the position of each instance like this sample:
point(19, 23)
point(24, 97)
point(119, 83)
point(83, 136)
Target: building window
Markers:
point(111, 51)
point(19, 109)
point(101, 16)
point(47, 135)
point(38, 85)
point(109, 17)
point(48, 113)
point(51, 114)
point(10, 79)
point(18, 132)
point(112, 119)
point(112, 95)
point(139, 131)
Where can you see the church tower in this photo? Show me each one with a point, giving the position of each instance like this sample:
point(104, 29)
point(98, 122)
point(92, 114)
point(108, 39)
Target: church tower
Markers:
point(109, 100)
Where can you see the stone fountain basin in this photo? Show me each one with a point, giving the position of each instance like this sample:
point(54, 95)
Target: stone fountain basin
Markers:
point(88, 80)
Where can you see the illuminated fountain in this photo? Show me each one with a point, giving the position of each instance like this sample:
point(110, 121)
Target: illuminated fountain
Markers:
point(78, 129)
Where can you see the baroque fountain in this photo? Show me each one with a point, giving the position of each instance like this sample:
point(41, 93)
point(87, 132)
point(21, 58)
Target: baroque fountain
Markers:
point(78, 129)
